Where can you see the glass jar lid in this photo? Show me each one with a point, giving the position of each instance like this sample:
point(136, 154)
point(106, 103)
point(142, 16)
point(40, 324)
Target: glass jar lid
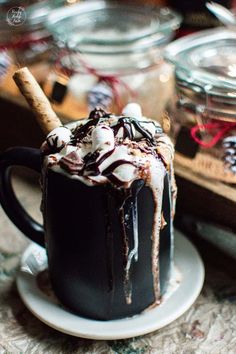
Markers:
point(112, 27)
point(205, 66)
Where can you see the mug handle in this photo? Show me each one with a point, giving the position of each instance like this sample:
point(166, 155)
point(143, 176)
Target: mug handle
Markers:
point(27, 157)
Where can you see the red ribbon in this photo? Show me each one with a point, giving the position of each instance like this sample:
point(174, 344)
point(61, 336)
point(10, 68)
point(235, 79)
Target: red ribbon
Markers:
point(24, 42)
point(219, 130)
point(112, 80)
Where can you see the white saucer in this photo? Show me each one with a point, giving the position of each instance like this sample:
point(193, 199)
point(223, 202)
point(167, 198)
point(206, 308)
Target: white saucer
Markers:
point(180, 297)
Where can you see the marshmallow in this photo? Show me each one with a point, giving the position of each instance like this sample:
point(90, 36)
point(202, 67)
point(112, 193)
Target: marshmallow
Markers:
point(102, 138)
point(59, 137)
point(147, 125)
point(132, 110)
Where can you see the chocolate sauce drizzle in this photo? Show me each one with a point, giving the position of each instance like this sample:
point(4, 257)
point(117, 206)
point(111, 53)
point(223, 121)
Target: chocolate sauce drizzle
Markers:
point(92, 160)
point(127, 128)
point(52, 142)
point(127, 123)
point(83, 130)
point(92, 164)
point(108, 172)
point(71, 163)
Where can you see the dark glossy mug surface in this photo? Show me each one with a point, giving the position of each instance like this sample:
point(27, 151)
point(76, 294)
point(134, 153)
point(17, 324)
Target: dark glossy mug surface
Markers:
point(86, 247)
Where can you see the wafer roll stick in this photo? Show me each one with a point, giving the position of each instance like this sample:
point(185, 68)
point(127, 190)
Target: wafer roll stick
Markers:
point(37, 100)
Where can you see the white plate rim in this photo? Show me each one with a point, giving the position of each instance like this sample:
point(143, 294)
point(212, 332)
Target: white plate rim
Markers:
point(134, 326)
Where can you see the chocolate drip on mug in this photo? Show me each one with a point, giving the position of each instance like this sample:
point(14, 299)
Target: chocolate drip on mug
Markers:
point(156, 185)
point(133, 254)
point(127, 206)
point(123, 195)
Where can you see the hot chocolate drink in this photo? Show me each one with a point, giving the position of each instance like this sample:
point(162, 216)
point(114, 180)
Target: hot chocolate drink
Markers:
point(121, 169)
point(108, 202)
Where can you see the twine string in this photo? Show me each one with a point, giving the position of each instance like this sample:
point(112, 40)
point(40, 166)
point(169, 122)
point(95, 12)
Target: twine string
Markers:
point(113, 81)
point(217, 129)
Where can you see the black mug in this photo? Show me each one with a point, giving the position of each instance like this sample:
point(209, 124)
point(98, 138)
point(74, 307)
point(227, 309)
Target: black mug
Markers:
point(88, 232)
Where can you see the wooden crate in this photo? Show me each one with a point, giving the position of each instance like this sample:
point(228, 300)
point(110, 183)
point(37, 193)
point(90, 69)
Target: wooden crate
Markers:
point(206, 199)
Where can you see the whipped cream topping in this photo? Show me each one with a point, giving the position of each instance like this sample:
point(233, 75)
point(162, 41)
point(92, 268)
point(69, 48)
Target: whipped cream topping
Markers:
point(107, 148)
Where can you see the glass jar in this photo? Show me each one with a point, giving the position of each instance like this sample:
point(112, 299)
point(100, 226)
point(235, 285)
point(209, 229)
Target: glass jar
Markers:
point(109, 54)
point(204, 108)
